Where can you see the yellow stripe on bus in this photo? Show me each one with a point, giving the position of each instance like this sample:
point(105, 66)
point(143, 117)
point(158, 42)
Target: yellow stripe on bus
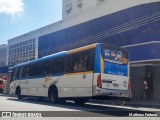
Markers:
point(128, 69)
point(78, 73)
point(81, 49)
point(102, 64)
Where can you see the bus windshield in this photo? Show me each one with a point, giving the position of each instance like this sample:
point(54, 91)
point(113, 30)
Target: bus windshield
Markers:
point(115, 61)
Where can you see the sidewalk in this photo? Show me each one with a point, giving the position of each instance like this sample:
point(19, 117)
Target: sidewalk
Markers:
point(146, 103)
point(138, 103)
point(8, 95)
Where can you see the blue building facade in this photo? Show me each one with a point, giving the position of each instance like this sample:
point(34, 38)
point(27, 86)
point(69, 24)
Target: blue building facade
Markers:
point(140, 24)
point(137, 29)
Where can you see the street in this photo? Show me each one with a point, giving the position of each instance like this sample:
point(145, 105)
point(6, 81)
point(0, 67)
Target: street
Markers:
point(70, 109)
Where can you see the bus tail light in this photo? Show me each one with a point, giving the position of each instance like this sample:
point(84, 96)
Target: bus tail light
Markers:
point(99, 82)
point(129, 84)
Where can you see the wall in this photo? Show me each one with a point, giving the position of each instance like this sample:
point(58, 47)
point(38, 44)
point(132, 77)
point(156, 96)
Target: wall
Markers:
point(156, 82)
point(137, 76)
point(22, 50)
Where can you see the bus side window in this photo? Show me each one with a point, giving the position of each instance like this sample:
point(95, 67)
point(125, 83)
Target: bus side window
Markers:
point(67, 64)
point(53, 66)
point(15, 74)
point(40, 70)
point(24, 71)
point(34, 71)
point(20, 75)
point(31, 70)
point(47, 67)
point(60, 65)
point(91, 60)
point(75, 62)
point(80, 62)
point(27, 71)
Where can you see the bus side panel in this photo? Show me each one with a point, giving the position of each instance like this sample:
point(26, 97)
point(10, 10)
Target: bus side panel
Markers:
point(76, 85)
point(36, 87)
point(70, 85)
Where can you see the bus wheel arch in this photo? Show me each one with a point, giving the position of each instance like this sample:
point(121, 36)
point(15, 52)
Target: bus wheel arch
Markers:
point(53, 94)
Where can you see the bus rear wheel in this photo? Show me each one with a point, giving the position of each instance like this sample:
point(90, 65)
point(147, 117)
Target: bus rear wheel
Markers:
point(54, 97)
point(20, 97)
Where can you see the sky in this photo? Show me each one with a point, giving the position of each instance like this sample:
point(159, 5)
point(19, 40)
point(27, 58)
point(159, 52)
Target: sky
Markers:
point(18, 17)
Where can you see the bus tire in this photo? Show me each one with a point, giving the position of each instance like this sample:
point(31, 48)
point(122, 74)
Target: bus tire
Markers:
point(54, 96)
point(20, 97)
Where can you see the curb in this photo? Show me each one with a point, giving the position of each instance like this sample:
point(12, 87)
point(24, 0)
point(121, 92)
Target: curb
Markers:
point(146, 105)
point(131, 103)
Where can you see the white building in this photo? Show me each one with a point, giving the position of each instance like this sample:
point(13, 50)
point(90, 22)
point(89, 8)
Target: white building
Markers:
point(3, 55)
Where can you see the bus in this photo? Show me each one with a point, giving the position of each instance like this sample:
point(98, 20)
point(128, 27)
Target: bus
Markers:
point(96, 70)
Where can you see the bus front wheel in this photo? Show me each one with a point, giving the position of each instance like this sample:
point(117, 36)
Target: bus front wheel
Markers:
point(20, 97)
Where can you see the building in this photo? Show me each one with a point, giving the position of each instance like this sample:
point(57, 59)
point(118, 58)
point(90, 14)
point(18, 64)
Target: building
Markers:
point(3, 55)
point(132, 24)
point(22, 49)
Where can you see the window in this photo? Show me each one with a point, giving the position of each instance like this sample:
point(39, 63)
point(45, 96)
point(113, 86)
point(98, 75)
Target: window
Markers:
point(14, 74)
point(53, 66)
point(68, 63)
point(80, 61)
point(39, 69)
point(60, 65)
point(21, 70)
point(34, 71)
point(47, 67)
point(31, 70)
point(27, 71)
point(83, 61)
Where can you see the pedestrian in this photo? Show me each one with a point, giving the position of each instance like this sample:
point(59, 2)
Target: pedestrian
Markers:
point(144, 89)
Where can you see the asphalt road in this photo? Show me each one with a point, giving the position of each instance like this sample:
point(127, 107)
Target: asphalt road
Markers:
point(70, 110)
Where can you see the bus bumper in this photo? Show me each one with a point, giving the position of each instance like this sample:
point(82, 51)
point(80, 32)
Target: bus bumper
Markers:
point(113, 93)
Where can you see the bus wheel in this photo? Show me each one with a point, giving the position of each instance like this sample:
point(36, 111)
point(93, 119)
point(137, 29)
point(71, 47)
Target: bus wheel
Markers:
point(80, 101)
point(54, 97)
point(20, 97)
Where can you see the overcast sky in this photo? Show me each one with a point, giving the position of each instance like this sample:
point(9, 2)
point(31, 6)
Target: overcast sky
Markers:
point(21, 16)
